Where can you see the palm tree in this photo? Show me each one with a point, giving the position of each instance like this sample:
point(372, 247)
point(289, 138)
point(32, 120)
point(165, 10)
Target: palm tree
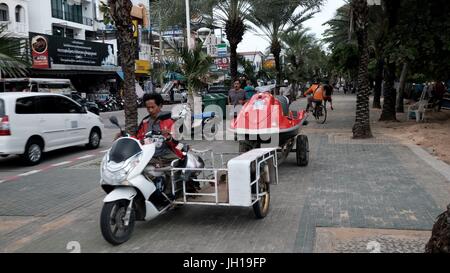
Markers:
point(440, 234)
point(339, 34)
point(248, 69)
point(195, 68)
point(13, 62)
point(361, 128)
point(120, 12)
point(282, 16)
point(233, 15)
point(338, 29)
point(300, 50)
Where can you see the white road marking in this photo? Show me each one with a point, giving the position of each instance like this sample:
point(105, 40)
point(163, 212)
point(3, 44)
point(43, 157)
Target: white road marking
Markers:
point(29, 173)
point(61, 163)
point(1, 181)
point(86, 156)
point(105, 151)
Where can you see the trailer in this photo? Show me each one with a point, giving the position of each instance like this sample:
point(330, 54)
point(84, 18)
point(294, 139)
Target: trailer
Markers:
point(243, 180)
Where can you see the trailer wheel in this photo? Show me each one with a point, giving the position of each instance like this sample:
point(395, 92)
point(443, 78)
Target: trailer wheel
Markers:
point(302, 151)
point(261, 208)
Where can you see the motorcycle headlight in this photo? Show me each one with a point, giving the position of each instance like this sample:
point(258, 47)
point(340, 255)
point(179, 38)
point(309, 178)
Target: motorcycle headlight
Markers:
point(116, 173)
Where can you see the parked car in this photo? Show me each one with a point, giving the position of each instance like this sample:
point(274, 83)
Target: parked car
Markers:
point(34, 123)
point(59, 86)
point(90, 105)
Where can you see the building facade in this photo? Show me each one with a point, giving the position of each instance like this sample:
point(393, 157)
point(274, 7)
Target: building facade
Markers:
point(76, 51)
point(72, 19)
point(14, 17)
point(256, 57)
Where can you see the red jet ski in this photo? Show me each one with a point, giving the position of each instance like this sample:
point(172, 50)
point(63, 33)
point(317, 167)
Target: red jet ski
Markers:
point(267, 119)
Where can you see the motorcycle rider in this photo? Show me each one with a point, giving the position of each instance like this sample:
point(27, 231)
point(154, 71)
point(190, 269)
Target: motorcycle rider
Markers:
point(169, 150)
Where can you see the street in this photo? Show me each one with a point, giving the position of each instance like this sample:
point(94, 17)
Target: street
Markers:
point(353, 192)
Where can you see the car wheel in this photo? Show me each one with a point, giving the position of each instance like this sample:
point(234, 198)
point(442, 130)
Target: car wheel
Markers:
point(94, 139)
point(33, 152)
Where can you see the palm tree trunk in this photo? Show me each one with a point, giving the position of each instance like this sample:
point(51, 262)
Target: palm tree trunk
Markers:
point(401, 88)
point(233, 61)
point(390, 97)
point(378, 83)
point(275, 48)
point(390, 94)
point(121, 14)
point(361, 128)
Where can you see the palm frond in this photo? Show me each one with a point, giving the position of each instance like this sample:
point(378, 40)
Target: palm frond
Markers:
point(13, 55)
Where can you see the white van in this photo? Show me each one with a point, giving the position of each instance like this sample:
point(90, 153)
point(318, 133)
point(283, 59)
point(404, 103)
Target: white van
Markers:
point(33, 123)
point(59, 86)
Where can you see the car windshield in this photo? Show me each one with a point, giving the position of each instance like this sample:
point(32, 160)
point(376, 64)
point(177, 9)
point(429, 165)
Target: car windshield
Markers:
point(2, 108)
point(123, 149)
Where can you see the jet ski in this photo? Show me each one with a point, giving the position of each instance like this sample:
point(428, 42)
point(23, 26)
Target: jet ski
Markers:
point(267, 119)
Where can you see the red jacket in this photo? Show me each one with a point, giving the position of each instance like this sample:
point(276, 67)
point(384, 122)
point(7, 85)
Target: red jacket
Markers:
point(167, 125)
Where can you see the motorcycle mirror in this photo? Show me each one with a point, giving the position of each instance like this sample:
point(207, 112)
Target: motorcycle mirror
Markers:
point(113, 120)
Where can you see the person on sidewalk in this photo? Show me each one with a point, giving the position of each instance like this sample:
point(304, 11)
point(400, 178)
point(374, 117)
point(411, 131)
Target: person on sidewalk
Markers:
point(286, 90)
point(236, 98)
point(437, 95)
point(249, 90)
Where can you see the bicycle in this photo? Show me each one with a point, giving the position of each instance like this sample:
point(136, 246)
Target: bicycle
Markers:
point(319, 111)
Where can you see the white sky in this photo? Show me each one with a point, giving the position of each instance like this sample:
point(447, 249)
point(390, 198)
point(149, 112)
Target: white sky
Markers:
point(254, 42)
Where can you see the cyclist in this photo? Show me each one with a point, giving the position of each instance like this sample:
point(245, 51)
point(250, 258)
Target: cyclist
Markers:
point(320, 92)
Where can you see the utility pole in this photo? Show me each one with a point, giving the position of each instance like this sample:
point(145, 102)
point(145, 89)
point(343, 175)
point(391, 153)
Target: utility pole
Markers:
point(161, 50)
point(188, 24)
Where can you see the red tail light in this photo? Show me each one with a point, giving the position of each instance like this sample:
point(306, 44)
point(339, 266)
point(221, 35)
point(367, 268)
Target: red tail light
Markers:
point(4, 126)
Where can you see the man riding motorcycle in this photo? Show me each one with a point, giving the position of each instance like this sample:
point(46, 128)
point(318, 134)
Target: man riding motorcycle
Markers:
point(168, 152)
point(170, 149)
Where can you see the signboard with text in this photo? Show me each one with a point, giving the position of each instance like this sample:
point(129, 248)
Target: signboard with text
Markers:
point(39, 51)
point(222, 50)
point(65, 51)
point(222, 63)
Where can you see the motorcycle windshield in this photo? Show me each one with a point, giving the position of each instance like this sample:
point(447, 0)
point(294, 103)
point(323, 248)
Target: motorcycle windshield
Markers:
point(123, 149)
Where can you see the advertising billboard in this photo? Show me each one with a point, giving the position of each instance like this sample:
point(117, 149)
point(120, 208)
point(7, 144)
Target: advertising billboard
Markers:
point(49, 49)
point(39, 51)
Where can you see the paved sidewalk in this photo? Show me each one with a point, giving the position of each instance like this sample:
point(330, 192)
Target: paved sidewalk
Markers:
point(366, 185)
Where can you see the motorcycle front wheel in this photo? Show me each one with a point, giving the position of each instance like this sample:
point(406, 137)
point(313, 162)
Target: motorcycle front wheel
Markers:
point(112, 222)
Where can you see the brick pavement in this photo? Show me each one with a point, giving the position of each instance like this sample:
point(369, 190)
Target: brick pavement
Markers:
point(376, 183)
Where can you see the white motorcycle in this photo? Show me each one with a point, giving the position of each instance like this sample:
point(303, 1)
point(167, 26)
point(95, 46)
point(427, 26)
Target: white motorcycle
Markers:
point(206, 123)
point(135, 189)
